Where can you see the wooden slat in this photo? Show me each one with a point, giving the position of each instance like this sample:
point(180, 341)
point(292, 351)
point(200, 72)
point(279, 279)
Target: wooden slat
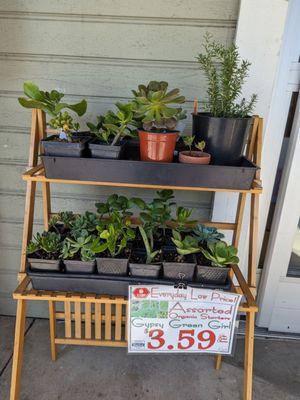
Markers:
point(88, 321)
point(98, 321)
point(253, 240)
point(28, 221)
point(52, 323)
point(245, 288)
point(68, 327)
point(107, 322)
point(118, 322)
point(91, 342)
point(126, 324)
point(248, 361)
point(77, 320)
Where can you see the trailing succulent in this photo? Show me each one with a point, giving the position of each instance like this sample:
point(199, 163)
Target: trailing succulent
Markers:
point(47, 245)
point(226, 74)
point(50, 102)
point(220, 254)
point(152, 104)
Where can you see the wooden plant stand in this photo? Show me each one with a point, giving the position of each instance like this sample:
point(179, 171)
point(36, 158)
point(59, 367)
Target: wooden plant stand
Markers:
point(104, 318)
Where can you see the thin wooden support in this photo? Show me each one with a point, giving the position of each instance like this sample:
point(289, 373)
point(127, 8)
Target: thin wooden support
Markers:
point(88, 321)
point(52, 323)
point(68, 326)
point(126, 324)
point(218, 361)
point(239, 219)
point(46, 204)
point(34, 140)
point(118, 322)
point(253, 240)
point(107, 322)
point(249, 350)
point(18, 350)
point(77, 320)
point(98, 321)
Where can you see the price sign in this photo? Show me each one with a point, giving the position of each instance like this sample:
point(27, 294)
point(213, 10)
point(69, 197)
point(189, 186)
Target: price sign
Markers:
point(164, 319)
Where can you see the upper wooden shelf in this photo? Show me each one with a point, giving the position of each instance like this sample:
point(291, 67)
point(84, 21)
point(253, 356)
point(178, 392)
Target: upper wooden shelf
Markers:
point(37, 174)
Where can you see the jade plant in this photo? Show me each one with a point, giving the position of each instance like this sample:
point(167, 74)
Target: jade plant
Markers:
point(153, 105)
point(186, 245)
point(206, 234)
point(114, 203)
point(50, 102)
point(226, 73)
point(114, 239)
point(47, 245)
point(220, 254)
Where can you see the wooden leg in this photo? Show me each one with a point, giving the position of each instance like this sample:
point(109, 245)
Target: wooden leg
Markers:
point(249, 350)
point(218, 361)
point(253, 238)
point(28, 221)
point(46, 203)
point(18, 350)
point(52, 323)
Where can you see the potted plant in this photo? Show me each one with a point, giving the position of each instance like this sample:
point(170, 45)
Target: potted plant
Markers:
point(194, 156)
point(84, 225)
point(181, 262)
point(68, 143)
point(77, 254)
point(153, 105)
point(114, 204)
point(61, 223)
point(226, 122)
point(110, 131)
point(220, 256)
point(43, 252)
point(182, 221)
point(113, 242)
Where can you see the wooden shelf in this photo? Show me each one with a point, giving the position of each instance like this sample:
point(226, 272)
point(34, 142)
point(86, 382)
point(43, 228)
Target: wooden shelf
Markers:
point(37, 174)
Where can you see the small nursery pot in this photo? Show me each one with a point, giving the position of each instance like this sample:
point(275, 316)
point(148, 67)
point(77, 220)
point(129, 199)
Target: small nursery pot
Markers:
point(40, 264)
point(65, 149)
point(157, 147)
point(102, 150)
point(211, 275)
point(112, 266)
point(145, 270)
point(194, 157)
point(84, 267)
point(176, 270)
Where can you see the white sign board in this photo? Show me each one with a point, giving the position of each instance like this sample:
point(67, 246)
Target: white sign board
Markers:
point(164, 319)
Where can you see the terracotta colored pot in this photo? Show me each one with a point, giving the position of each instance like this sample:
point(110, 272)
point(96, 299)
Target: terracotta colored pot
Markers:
point(157, 146)
point(194, 157)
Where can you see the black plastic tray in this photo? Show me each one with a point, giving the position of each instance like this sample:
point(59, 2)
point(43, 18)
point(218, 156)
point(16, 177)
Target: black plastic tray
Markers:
point(100, 284)
point(151, 173)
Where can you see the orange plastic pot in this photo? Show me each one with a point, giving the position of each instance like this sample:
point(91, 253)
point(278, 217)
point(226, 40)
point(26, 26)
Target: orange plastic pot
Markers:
point(157, 147)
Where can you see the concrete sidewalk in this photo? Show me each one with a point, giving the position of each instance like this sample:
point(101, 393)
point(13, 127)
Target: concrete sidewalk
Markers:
point(92, 373)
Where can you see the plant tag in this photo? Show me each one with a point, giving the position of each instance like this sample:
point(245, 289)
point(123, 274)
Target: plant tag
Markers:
point(165, 319)
point(63, 135)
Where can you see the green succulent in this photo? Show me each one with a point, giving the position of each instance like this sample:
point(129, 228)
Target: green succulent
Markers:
point(47, 243)
point(188, 141)
point(150, 252)
point(64, 122)
point(188, 245)
point(50, 102)
point(66, 218)
point(84, 224)
point(152, 103)
point(220, 254)
point(182, 218)
point(206, 234)
point(81, 246)
point(114, 203)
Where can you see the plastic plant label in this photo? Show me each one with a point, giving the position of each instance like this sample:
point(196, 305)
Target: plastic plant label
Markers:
point(165, 319)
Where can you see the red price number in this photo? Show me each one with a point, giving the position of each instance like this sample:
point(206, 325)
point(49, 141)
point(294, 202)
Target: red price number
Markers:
point(186, 339)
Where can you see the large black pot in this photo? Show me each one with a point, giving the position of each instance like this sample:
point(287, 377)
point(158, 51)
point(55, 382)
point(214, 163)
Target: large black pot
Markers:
point(225, 137)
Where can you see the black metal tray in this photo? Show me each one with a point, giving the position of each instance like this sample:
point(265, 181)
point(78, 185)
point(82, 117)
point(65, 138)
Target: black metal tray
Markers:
point(132, 171)
point(100, 284)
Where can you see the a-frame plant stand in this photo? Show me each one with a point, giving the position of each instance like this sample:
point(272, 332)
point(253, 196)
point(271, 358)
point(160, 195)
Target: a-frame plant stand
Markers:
point(98, 320)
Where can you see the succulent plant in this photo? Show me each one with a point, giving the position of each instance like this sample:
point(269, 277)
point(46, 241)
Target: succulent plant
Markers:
point(46, 245)
point(220, 254)
point(206, 234)
point(50, 102)
point(114, 203)
point(151, 105)
point(200, 145)
point(84, 224)
point(64, 122)
point(182, 218)
point(188, 245)
point(81, 246)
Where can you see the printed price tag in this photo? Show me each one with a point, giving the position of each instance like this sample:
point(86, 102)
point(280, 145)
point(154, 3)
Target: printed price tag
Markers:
point(165, 319)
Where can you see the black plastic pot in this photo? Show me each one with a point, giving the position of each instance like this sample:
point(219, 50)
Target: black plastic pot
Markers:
point(145, 270)
point(176, 270)
point(102, 150)
point(40, 264)
point(211, 275)
point(112, 266)
point(83, 267)
point(65, 149)
point(225, 137)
